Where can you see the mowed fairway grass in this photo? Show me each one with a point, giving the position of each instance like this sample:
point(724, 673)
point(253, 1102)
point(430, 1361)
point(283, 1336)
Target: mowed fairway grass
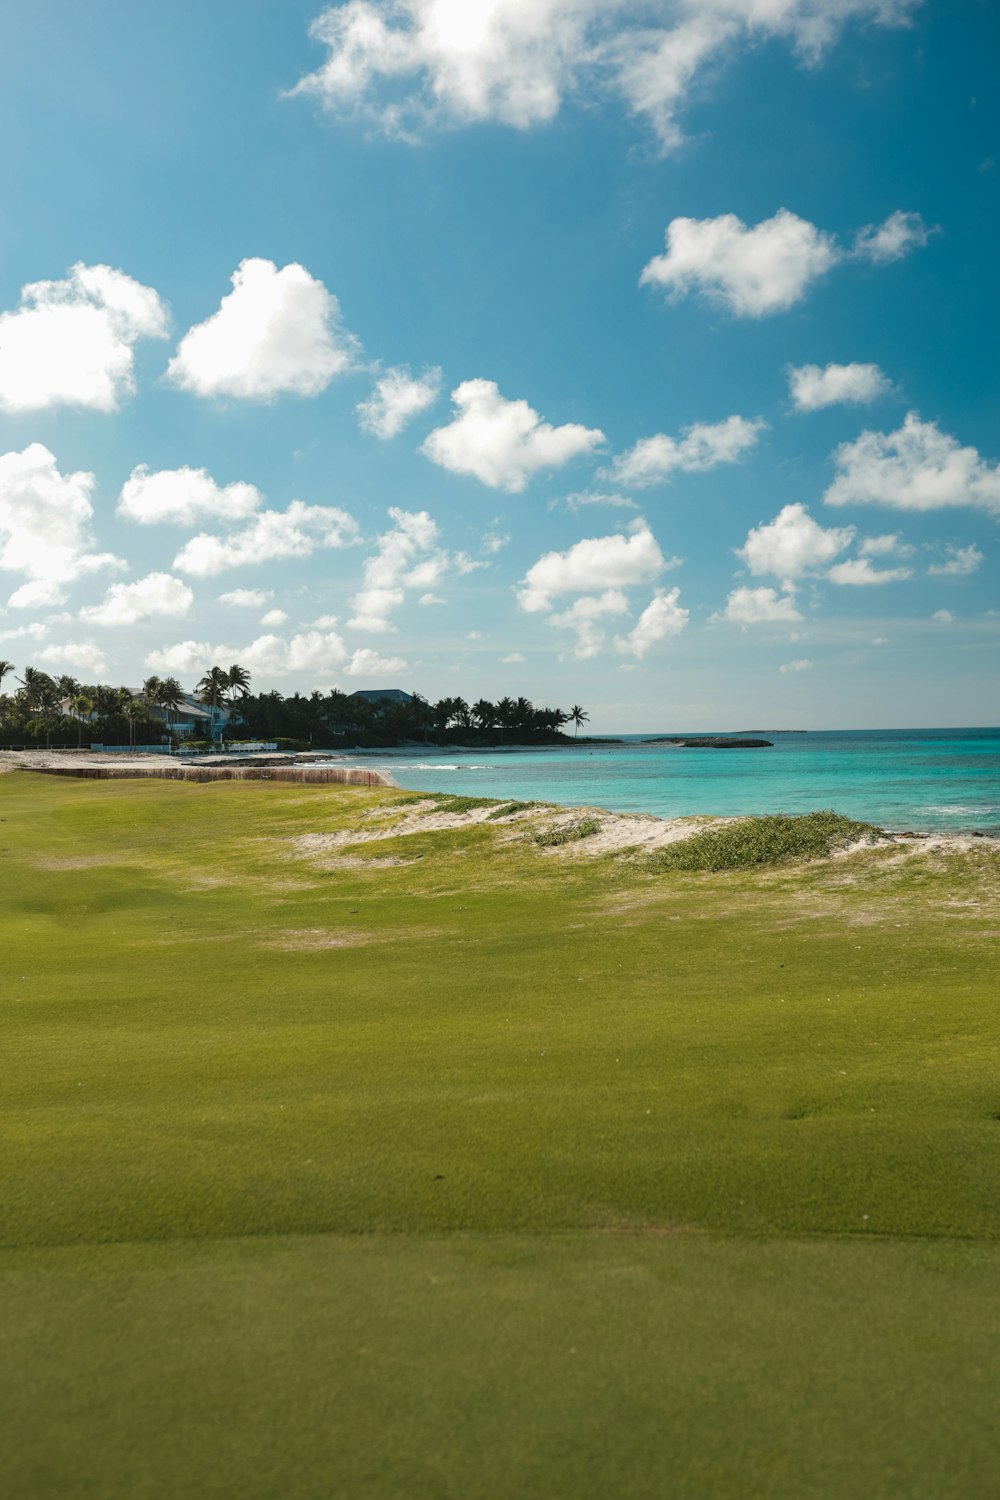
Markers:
point(448, 1165)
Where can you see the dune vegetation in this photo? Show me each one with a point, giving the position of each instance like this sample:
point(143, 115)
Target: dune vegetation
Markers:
point(350, 1152)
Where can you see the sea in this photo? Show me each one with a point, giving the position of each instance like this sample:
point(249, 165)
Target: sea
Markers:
point(921, 779)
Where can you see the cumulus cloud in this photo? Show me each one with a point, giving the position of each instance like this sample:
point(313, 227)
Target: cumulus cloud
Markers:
point(396, 399)
point(410, 65)
point(308, 652)
point(368, 663)
point(274, 617)
point(943, 616)
point(586, 498)
point(85, 658)
point(45, 532)
point(583, 617)
point(596, 563)
point(426, 599)
point(703, 446)
point(746, 606)
point(131, 603)
point(275, 332)
point(861, 570)
point(185, 496)
point(960, 562)
point(295, 532)
point(512, 658)
point(855, 385)
point(662, 618)
point(918, 467)
point(892, 240)
point(889, 545)
point(406, 557)
point(801, 664)
point(792, 544)
point(503, 443)
point(246, 598)
point(752, 271)
point(72, 342)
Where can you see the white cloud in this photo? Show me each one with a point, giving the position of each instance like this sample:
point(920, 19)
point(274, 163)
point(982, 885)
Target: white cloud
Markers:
point(431, 599)
point(703, 446)
point(45, 521)
point(960, 563)
point(408, 65)
point(186, 496)
point(597, 563)
point(766, 268)
point(860, 570)
point(918, 467)
point(268, 656)
point(586, 498)
point(71, 342)
point(131, 603)
point(495, 541)
point(83, 657)
point(42, 594)
point(813, 388)
point(801, 664)
point(582, 618)
point(503, 443)
point(662, 618)
point(276, 331)
point(396, 399)
point(36, 631)
point(792, 544)
point(943, 616)
point(892, 240)
point(325, 622)
point(368, 663)
point(246, 598)
point(512, 658)
point(406, 557)
point(889, 545)
point(758, 607)
point(295, 532)
point(752, 272)
point(274, 617)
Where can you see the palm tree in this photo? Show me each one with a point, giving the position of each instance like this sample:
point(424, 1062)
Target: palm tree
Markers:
point(484, 713)
point(39, 689)
point(211, 690)
point(5, 667)
point(577, 716)
point(171, 696)
point(82, 707)
point(238, 682)
point(134, 710)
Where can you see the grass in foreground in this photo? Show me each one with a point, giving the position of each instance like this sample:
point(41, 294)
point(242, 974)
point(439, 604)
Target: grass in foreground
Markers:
point(493, 1174)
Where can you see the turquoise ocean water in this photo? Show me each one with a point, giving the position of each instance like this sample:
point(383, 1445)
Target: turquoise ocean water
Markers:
point(925, 779)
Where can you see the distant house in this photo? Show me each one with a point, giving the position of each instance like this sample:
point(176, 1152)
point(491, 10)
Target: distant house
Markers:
point(193, 719)
point(382, 695)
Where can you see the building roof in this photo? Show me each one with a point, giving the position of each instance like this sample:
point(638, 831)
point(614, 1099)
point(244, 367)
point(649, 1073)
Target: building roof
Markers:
point(382, 695)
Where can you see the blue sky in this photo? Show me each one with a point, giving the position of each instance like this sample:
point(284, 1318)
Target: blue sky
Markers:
point(637, 355)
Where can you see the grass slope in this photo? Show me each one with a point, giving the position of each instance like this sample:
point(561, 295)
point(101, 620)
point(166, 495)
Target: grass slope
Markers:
point(489, 1172)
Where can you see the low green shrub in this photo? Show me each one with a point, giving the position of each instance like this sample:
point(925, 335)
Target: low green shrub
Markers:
point(551, 838)
point(505, 809)
point(459, 805)
point(778, 839)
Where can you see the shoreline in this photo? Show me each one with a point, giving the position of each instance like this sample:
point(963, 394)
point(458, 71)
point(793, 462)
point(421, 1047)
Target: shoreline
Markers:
point(620, 829)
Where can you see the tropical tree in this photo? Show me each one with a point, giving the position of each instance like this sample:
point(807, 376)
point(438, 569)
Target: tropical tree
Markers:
point(5, 668)
point(238, 683)
point(578, 716)
point(170, 698)
point(211, 690)
point(39, 689)
point(135, 711)
point(82, 708)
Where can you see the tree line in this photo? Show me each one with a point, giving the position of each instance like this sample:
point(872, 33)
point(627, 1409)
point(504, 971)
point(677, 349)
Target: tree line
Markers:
point(60, 709)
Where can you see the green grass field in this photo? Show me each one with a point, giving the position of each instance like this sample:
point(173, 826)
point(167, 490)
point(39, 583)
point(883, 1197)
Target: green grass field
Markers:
point(455, 1166)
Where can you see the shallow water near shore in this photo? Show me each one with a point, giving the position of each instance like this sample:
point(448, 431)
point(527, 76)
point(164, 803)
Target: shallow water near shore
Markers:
point(925, 779)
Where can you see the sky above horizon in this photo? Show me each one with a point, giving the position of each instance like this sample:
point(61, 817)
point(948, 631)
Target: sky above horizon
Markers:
point(638, 355)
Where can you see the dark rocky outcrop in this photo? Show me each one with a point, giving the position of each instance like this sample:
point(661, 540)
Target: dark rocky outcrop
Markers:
point(711, 742)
